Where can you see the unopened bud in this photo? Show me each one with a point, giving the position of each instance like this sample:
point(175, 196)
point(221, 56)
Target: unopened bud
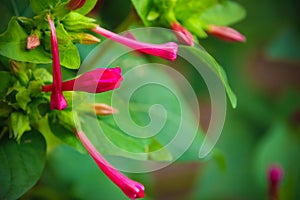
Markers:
point(76, 4)
point(84, 38)
point(33, 41)
point(17, 69)
point(77, 22)
point(182, 34)
point(226, 33)
point(102, 109)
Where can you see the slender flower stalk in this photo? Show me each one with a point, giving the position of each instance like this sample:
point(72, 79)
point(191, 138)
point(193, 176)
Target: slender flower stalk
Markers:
point(226, 33)
point(95, 81)
point(275, 175)
point(130, 187)
point(167, 50)
point(182, 34)
point(58, 100)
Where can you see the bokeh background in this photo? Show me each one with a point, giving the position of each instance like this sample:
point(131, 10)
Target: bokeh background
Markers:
point(263, 130)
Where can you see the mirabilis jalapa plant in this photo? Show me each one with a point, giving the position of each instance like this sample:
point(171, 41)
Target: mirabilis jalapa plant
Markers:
point(30, 94)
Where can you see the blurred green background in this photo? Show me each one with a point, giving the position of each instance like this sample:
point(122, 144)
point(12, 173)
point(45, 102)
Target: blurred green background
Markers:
point(264, 129)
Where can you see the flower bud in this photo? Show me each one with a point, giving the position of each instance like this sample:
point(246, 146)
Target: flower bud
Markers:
point(33, 41)
point(84, 38)
point(275, 175)
point(103, 109)
point(17, 69)
point(77, 22)
point(75, 4)
point(226, 33)
point(182, 34)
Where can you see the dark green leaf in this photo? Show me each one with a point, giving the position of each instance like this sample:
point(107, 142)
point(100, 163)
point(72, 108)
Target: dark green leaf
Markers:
point(21, 164)
point(207, 59)
point(6, 82)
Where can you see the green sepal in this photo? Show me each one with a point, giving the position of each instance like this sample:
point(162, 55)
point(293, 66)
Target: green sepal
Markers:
point(77, 22)
point(18, 124)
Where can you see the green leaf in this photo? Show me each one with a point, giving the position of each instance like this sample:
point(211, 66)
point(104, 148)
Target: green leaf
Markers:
point(87, 7)
point(19, 123)
point(143, 8)
point(6, 82)
point(158, 155)
point(68, 53)
point(204, 57)
point(41, 5)
point(23, 97)
point(223, 14)
point(62, 126)
point(184, 10)
point(13, 45)
point(43, 75)
point(21, 164)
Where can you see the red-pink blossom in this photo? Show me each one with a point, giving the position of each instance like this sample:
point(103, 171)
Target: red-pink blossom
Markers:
point(275, 175)
point(130, 187)
point(167, 50)
point(95, 81)
point(57, 99)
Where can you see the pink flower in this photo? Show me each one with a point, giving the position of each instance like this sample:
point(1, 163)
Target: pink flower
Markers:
point(182, 34)
point(275, 175)
point(226, 33)
point(98, 80)
point(130, 187)
point(167, 51)
point(57, 99)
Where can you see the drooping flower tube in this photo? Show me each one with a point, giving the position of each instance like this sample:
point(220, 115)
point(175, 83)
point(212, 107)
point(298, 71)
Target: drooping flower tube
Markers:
point(167, 50)
point(182, 34)
point(226, 33)
point(130, 187)
point(95, 81)
point(57, 100)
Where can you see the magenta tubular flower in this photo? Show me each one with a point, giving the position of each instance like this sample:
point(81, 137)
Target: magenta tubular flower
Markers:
point(226, 33)
point(182, 34)
point(96, 81)
point(57, 100)
point(131, 188)
point(275, 175)
point(167, 51)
